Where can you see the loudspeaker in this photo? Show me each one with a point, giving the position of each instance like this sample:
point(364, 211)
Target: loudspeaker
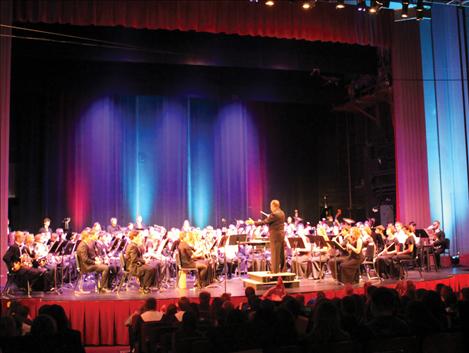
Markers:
point(386, 213)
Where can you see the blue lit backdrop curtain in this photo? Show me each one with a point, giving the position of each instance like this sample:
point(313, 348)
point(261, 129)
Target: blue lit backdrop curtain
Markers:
point(446, 105)
point(166, 159)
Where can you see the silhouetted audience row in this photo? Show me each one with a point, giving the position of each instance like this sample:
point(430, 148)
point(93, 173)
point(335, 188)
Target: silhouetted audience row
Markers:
point(49, 331)
point(380, 314)
point(217, 325)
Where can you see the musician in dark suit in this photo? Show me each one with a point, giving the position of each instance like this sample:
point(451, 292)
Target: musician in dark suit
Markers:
point(439, 245)
point(12, 259)
point(136, 263)
point(113, 227)
point(276, 223)
point(90, 263)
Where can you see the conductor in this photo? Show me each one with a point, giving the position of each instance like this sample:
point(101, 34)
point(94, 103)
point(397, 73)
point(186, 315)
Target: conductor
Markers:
point(276, 222)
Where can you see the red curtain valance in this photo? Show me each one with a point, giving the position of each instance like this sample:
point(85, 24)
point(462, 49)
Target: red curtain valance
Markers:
point(284, 20)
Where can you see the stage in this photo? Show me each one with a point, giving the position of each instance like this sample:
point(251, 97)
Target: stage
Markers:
point(101, 317)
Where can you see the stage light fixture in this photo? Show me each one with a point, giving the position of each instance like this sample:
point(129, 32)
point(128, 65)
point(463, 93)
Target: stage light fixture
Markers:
point(340, 4)
point(373, 8)
point(361, 6)
point(405, 11)
point(419, 7)
point(306, 5)
point(270, 3)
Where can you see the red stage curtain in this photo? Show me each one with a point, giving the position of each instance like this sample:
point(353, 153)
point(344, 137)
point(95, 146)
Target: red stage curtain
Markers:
point(284, 20)
point(5, 65)
point(412, 196)
point(102, 322)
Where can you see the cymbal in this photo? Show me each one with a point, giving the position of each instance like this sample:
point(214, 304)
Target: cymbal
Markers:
point(348, 220)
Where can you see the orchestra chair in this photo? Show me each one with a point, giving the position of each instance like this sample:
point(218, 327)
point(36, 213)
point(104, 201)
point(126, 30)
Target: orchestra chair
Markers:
point(181, 277)
point(81, 278)
point(369, 264)
point(153, 336)
point(126, 275)
point(392, 345)
point(414, 262)
point(427, 258)
point(12, 281)
point(336, 347)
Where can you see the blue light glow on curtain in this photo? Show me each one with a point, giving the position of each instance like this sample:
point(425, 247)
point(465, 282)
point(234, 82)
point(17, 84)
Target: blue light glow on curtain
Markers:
point(166, 159)
point(443, 65)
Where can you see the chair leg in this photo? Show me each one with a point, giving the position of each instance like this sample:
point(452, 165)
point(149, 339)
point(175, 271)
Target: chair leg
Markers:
point(6, 289)
point(121, 282)
point(79, 283)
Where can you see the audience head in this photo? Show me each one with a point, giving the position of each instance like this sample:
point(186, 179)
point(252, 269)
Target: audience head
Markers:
point(184, 304)
point(383, 302)
point(8, 327)
point(204, 299)
point(43, 325)
point(150, 304)
point(58, 314)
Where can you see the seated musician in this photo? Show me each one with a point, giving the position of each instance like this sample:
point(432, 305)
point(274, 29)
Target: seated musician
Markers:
point(154, 257)
point(439, 243)
point(186, 253)
point(16, 262)
point(137, 264)
point(41, 260)
point(113, 227)
point(383, 260)
point(320, 255)
point(408, 251)
point(349, 266)
point(230, 252)
point(379, 238)
point(301, 258)
point(90, 263)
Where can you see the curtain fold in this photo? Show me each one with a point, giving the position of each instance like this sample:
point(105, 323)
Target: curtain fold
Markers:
point(284, 20)
point(5, 68)
point(412, 196)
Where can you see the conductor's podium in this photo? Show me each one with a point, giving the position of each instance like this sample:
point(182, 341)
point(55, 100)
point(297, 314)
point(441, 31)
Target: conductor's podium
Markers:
point(263, 280)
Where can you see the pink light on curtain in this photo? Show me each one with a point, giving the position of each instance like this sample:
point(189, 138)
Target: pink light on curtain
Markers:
point(412, 197)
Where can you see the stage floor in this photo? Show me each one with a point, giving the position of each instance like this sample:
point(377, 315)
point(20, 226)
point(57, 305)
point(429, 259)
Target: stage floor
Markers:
point(234, 286)
point(101, 317)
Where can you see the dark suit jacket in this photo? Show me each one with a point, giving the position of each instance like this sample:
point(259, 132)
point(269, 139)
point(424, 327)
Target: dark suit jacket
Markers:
point(12, 255)
point(85, 256)
point(134, 257)
point(276, 222)
point(185, 252)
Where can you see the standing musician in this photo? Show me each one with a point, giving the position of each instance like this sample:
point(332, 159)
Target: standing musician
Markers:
point(16, 262)
point(136, 263)
point(90, 263)
point(46, 227)
point(348, 266)
point(276, 223)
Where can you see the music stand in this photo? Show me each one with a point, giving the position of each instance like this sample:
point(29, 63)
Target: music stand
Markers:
point(296, 243)
point(421, 233)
